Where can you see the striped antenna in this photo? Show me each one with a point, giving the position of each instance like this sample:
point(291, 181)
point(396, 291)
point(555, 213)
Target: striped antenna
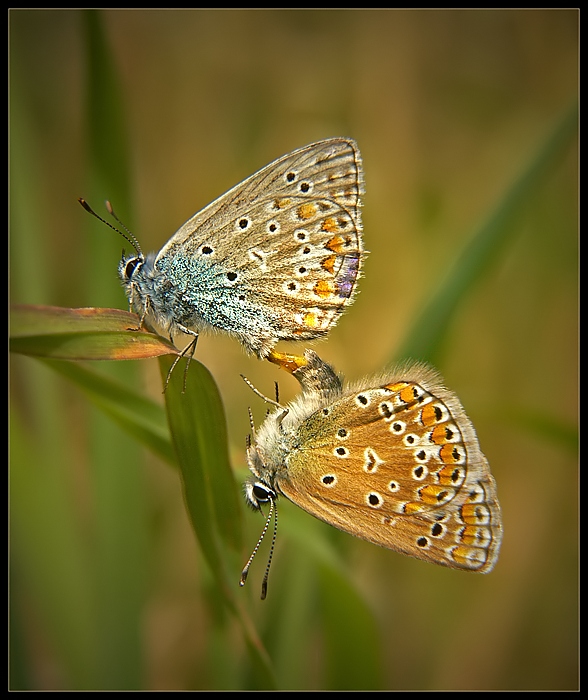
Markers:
point(273, 511)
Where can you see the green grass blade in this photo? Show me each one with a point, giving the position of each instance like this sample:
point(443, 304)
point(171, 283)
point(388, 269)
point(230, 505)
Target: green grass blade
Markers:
point(108, 136)
point(198, 428)
point(54, 334)
point(352, 641)
point(82, 334)
point(138, 416)
point(117, 474)
point(425, 339)
point(49, 554)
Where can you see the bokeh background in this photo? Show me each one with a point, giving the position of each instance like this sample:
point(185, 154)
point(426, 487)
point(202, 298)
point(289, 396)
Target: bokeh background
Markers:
point(108, 588)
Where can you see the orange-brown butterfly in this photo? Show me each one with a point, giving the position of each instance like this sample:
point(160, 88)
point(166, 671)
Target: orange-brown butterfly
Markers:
point(393, 460)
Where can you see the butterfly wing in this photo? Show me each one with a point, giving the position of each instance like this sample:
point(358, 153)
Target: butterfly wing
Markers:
point(399, 465)
point(277, 256)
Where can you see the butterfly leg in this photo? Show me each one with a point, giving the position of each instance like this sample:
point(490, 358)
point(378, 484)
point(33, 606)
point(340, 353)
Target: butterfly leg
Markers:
point(188, 352)
point(146, 305)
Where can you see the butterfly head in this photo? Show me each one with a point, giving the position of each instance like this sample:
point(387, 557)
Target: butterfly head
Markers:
point(257, 494)
point(258, 491)
point(136, 273)
point(129, 265)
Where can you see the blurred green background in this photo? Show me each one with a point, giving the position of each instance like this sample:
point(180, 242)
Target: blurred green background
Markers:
point(449, 108)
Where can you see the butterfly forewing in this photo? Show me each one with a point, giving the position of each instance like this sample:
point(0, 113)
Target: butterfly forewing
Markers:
point(399, 465)
point(332, 170)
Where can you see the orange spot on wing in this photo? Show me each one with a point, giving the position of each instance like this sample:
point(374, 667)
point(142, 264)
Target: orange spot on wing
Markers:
point(324, 288)
point(470, 557)
point(411, 508)
point(328, 264)
point(330, 225)
point(448, 477)
point(397, 386)
point(429, 415)
point(433, 494)
point(407, 394)
point(307, 210)
point(473, 535)
point(337, 244)
point(449, 454)
point(439, 435)
point(474, 513)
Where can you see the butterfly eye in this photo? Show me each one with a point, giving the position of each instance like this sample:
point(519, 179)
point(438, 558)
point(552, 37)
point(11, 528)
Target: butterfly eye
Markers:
point(262, 493)
point(131, 267)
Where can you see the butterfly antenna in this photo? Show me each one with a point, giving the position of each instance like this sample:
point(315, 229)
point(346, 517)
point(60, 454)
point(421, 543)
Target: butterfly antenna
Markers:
point(128, 236)
point(271, 553)
point(110, 210)
point(251, 425)
point(262, 396)
point(245, 571)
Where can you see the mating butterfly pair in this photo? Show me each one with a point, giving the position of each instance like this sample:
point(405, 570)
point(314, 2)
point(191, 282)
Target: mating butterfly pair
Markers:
point(393, 460)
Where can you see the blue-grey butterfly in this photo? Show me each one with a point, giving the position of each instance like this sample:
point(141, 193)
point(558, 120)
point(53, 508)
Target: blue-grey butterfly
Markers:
point(275, 258)
point(393, 460)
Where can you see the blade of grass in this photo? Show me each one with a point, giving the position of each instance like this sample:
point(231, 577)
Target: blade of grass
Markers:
point(35, 320)
point(198, 428)
point(97, 334)
point(50, 557)
point(107, 123)
point(138, 416)
point(49, 554)
point(425, 339)
point(352, 641)
point(82, 334)
point(121, 521)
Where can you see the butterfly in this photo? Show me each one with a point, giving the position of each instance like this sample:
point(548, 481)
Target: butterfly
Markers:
point(277, 257)
point(393, 460)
